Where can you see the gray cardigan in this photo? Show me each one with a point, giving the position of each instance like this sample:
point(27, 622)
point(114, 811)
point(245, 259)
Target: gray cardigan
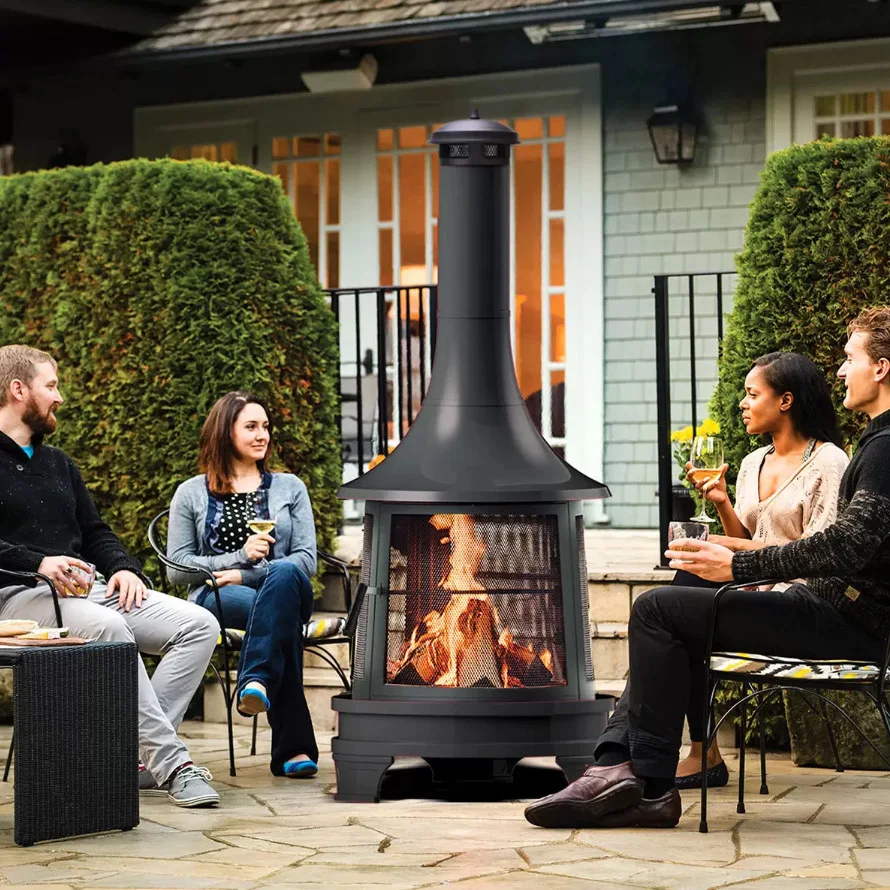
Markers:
point(294, 532)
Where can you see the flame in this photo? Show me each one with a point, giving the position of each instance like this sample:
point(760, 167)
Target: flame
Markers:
point(461, 646)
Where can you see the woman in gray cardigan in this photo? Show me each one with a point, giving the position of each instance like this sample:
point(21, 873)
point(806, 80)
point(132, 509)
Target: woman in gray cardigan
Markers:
point(263, 579)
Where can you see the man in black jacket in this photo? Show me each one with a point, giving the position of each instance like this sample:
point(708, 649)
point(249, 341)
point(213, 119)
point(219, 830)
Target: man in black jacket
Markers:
point(49, 524)
point(843, 609)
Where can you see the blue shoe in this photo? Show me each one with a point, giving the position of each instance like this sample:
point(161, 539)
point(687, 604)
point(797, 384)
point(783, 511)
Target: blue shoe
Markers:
point(718, 776)
point(301, 769)
point(252, 700)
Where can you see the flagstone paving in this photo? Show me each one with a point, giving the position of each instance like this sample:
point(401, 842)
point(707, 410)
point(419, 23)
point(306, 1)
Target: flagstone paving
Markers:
point(816, 830)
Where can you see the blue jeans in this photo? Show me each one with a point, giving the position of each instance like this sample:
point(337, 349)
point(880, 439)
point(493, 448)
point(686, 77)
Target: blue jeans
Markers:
point(273, 616)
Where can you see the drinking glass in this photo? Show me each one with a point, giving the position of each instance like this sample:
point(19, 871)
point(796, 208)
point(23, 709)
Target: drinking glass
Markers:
point(262, 523)
point(694, 530)
point(707, 461)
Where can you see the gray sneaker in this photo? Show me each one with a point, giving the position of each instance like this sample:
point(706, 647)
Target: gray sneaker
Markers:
point(189, 788)
point(147, 783)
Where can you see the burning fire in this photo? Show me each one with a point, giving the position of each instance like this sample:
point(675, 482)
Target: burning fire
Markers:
point(465, 645)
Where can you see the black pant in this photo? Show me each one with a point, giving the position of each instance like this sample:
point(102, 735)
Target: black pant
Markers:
point(697, 675)
point(667, 638)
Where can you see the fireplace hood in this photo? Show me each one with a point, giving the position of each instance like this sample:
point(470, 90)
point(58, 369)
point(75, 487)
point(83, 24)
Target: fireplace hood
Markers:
point(473, 440)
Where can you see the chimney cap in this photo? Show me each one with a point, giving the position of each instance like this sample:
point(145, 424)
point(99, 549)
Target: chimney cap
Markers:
point(474, 129)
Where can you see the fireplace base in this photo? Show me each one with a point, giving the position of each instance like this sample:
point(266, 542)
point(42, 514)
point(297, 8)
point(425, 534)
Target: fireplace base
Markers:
point(372, 733)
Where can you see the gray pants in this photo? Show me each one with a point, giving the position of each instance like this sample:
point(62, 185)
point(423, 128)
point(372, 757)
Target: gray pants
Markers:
point(182, 633)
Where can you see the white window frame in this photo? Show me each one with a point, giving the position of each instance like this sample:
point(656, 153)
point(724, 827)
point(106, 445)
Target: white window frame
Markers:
point(795, 75)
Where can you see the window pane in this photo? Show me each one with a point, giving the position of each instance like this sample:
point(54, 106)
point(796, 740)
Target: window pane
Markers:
point(850, 129)
point(332, 143)
point(558, 407)
point(825, 130)
point(557, 254)
point(412, 218)
point(282, 171)
point(384, 189)
point(281, 147)
point(557, 126)
point(306, 204)
point(557, 327)
point(412, 137)
point(228, 151)
point(306, 146)
point(333, 239)
point(180, 153)
point(384, 140)
point(527, 179)
point(384, 245)
point(530, 128)
point(557, 153)
point(434, 161)
point(332, 191)
point(885, 100)
point(435, 237)
point(857, 103)
point(885, 126)
point(207, 152)
point(824, 106)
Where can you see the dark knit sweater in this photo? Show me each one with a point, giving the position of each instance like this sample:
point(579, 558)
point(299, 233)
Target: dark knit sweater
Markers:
point(46, 510)
point(847, 564)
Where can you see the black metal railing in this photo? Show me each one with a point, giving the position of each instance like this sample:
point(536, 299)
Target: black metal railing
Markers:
point(715, 285)
point(383, 385)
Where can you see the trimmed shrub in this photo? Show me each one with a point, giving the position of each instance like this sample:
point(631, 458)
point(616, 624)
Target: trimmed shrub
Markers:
point(158, 286)
point(816, 253)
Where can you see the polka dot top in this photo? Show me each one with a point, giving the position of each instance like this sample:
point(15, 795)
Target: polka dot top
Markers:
point(237, 510)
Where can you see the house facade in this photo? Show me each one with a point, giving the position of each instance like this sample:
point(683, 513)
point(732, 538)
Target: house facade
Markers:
point(594, 216)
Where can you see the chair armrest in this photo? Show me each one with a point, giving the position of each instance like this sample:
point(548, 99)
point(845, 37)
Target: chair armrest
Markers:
point(715, 606)
point(30, 576)
point(342, 568)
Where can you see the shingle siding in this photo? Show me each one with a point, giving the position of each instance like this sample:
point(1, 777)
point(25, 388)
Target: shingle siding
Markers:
point(666, 220)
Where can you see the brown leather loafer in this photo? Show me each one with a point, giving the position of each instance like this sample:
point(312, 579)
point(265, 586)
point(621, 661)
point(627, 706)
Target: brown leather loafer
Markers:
point(599, 791)
point(657, 812)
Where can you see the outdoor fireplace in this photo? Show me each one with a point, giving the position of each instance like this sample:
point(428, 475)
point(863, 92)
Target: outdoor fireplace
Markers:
point(472, 647)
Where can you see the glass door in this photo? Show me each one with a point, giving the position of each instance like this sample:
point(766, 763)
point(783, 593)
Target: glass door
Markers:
point(407, 227)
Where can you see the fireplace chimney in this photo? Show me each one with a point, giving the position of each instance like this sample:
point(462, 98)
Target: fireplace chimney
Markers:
point(473, 440)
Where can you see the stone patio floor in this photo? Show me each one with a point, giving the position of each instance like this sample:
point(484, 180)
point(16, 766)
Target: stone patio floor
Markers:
point(817, 830)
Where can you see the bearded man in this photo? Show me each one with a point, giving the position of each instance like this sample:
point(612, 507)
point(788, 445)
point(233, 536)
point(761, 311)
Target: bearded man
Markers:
point(50, 525)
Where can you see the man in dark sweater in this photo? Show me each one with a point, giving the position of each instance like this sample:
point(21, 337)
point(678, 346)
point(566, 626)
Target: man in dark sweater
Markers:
point(50, 525)
point(842, 611)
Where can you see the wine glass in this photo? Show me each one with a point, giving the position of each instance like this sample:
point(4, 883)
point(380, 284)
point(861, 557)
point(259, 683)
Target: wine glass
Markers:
point(707, 461)
point(261, 524)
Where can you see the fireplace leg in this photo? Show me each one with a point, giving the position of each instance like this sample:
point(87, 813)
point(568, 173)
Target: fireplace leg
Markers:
point(359, 777)
point(574, 766)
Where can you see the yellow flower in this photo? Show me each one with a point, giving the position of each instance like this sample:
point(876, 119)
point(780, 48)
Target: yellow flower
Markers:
point(708, 427)
point(683, 435)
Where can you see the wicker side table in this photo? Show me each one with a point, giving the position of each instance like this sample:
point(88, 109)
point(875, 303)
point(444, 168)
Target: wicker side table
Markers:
point(76, 750)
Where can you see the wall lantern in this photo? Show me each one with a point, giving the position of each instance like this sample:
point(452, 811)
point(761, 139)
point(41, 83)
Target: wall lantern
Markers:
point(672, 129)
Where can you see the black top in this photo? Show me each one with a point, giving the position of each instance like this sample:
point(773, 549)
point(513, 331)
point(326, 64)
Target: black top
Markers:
point(848, 563)
point(46, 510)
point(237, 510)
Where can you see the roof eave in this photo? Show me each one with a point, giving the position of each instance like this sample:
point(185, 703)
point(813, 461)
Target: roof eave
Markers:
point(430, 27)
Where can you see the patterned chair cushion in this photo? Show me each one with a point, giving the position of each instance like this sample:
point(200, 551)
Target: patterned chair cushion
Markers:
point(317, 629)
point(323, 629)
point(792, 668)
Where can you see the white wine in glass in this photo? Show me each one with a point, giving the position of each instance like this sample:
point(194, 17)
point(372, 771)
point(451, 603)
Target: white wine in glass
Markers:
point(707, 462)
point(261, 526)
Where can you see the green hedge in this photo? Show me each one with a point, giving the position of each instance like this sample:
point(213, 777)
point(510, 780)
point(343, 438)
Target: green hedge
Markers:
point(816, 253)
point(158, 286)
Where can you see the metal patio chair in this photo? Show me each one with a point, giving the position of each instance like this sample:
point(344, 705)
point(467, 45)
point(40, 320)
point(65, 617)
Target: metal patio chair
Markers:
point(774, 674)
point(316, 634)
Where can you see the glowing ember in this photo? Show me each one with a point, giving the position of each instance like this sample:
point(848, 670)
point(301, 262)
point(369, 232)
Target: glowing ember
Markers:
point(464, 645)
